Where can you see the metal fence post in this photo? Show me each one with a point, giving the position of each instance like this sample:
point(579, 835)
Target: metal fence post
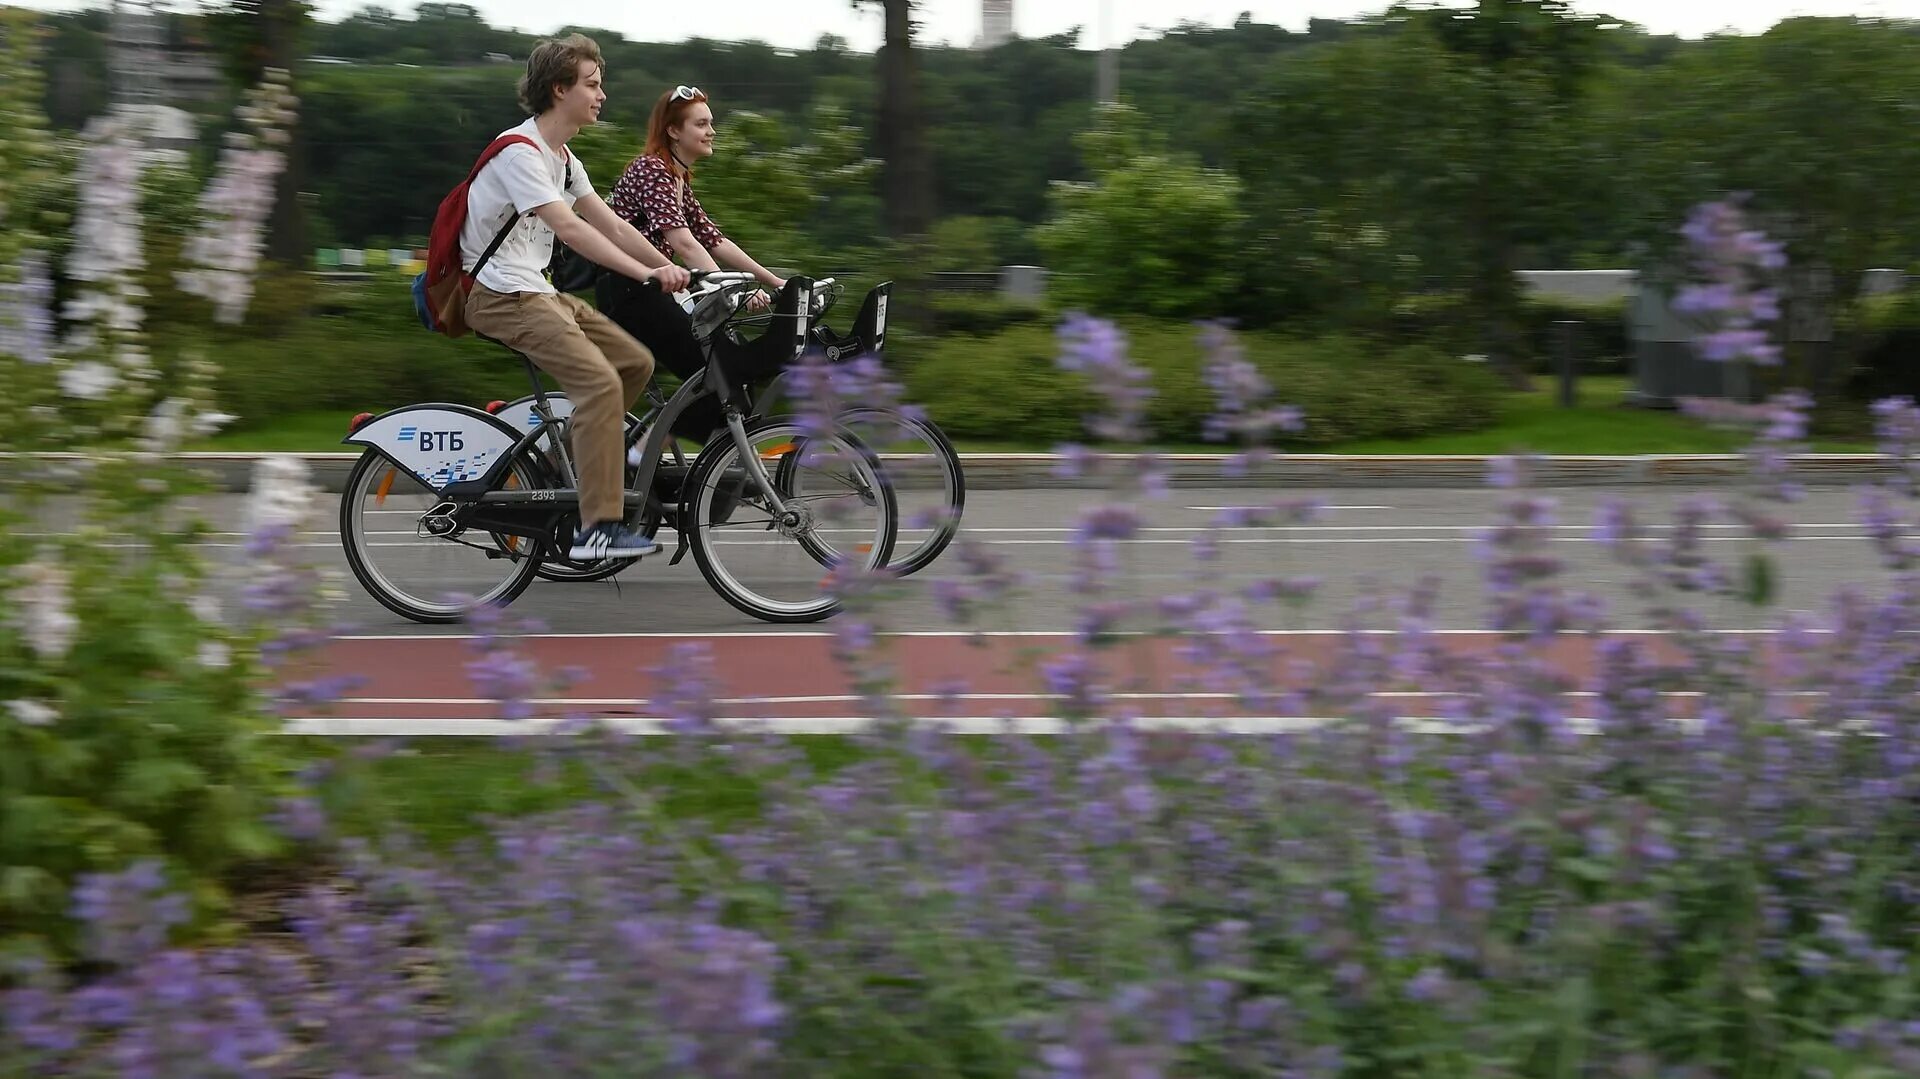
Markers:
point(1563, 359)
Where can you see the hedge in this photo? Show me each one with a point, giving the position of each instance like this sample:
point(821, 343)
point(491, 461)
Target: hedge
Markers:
point(1006, 386)
point(356, 346)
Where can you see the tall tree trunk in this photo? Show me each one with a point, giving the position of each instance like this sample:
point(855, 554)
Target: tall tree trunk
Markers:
point(1495, 293)
point(287, 238)
point(908, 178)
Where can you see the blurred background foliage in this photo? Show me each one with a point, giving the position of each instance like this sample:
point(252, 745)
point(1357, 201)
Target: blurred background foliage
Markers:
point(1379, 179)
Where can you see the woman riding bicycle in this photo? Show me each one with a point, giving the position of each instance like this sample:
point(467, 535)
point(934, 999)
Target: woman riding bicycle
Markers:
point(655, 195)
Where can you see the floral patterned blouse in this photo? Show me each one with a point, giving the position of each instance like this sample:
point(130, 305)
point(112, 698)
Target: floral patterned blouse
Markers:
point(651, 198)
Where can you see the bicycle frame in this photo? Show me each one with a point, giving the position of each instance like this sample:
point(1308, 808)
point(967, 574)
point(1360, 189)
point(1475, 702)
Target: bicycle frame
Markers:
point(471, 496)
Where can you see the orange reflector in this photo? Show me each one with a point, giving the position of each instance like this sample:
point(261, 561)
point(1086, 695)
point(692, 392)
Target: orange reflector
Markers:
point(783, 448)
point(386, 484)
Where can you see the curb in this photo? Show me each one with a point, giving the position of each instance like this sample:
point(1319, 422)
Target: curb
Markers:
point(1007, 471)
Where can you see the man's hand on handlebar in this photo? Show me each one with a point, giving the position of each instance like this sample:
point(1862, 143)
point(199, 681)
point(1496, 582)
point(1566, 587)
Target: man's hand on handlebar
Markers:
point(670, 278)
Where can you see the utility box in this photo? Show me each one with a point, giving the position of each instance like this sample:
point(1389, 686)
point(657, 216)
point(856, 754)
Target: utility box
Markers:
point(1666, 364)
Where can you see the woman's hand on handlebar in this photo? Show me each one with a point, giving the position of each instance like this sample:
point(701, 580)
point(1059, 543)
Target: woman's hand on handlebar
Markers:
point(763, 298)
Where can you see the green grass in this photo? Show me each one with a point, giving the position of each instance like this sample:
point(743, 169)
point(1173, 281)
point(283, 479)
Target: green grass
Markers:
point(445, 790)
point(301, 432)
point(1599, 423)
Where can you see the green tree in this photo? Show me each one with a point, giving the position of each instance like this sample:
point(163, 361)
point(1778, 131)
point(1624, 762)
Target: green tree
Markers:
point(1443, 145)
point(767, 186)
point(1153, 231)
point(1814, 118)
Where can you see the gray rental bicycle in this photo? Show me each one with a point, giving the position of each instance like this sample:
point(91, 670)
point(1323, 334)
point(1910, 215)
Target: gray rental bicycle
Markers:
point(929, 485)
point(451, 506)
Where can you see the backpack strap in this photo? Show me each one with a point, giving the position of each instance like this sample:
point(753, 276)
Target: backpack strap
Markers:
point(487, 155)
point(498, 239)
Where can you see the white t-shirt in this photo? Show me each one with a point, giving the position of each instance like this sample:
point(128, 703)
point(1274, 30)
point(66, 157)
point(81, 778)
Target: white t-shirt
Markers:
point(518, 179)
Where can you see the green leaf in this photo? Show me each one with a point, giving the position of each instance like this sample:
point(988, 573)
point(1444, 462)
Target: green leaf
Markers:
point(1591, 870)
point(152, 784)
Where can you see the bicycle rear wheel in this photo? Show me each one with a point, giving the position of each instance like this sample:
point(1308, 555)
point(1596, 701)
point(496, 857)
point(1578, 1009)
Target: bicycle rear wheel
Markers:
point(389, 534)
point(840, 515)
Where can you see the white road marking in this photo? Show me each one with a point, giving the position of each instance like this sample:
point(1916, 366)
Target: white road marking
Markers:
point(1471, 531)
point(393, 727)
point(849, 698)
point(778, 633)
point(1326, 541)
point(1334, 507)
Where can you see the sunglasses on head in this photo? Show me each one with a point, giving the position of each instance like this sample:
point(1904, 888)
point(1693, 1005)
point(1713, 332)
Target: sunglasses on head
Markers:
point(686, 93)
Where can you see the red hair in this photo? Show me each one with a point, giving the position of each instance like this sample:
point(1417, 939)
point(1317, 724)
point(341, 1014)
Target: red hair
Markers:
point(668, 113)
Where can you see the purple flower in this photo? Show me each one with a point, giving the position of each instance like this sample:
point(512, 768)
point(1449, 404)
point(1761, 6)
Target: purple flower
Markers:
point(1241, 409)
point(1428, 986)
point(1076, 460)
point(130, 914)
point(1097, 349)
point(1738, 264)
point(1073, 677)
point(1506, 472)
point(1897, 426)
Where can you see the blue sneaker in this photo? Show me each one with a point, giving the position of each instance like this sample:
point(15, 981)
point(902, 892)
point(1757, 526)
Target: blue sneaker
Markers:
point(610, 539)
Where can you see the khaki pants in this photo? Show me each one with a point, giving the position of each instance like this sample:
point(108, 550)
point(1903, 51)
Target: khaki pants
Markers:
point(602, 370)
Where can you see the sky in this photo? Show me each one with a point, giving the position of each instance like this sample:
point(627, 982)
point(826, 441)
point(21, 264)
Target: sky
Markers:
point(799, 23)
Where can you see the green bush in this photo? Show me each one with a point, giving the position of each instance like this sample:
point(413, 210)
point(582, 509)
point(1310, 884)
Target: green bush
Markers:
point(310, 346)
point(967, 243)
point(978, 313)
point(138, 672)
point(1601, 342)
point(1152, 232)
point(131, 725)
point(1006, 386)
point(1884, 332)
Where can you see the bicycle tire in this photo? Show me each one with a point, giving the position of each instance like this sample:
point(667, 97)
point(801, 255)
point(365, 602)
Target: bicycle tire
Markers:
point(702, 484)
point(922, 556)
point(370, 579)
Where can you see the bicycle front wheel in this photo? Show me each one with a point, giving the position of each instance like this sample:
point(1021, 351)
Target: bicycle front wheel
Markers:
point(929, 489)
point(839, 516)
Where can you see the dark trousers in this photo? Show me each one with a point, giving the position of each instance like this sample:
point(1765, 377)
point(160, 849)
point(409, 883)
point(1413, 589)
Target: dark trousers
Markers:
point(654, 319)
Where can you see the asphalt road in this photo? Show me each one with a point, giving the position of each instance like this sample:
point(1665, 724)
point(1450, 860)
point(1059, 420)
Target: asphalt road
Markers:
point(1361, 542)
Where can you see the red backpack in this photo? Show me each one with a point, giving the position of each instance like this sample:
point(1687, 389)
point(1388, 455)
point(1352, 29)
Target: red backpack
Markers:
point(440, 291)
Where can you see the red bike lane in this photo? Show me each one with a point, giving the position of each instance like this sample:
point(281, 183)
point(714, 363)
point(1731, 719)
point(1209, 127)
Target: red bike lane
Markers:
point(796, 676)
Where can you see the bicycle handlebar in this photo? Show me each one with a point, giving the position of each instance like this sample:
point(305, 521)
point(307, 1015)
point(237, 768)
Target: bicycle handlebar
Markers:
point(702, 283)
point(721, 278)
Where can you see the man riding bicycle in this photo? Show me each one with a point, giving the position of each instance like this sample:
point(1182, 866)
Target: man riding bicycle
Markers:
point(602, 369)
